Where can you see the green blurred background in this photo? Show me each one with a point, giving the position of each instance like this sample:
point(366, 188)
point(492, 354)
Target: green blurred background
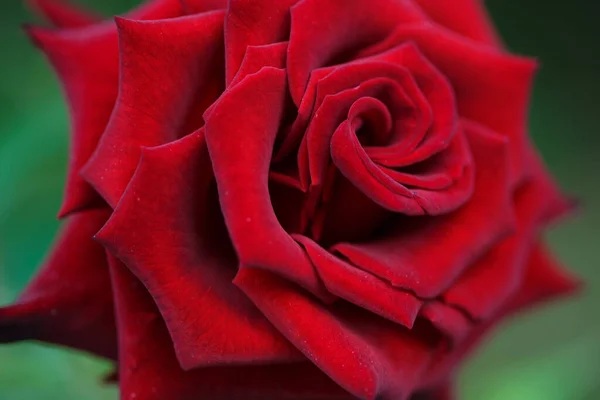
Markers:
point(551, 354)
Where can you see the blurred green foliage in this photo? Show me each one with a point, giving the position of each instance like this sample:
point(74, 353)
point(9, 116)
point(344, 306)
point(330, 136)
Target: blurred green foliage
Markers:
point(551, 354)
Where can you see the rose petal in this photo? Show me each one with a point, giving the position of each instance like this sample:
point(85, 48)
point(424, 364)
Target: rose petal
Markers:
point(69, 302)
point(241, 159)
point(149, 369)
point(491, 87)
point(366, 355)
point(170, 70)
point(257, 57)
point(386, 190)
point(86, 61)
point(201, 6)
point(167, 230)
point(361, 288)
point(323, 31)
point(541, 281)
point(488, 284)
point(404, 256)
point(544, 279)
point(253, 23)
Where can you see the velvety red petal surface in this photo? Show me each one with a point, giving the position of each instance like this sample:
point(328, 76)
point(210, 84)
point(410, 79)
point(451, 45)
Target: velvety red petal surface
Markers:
point(366, 355)
point(171, 71)
point(167, 228)
point(150, 371)
point(404, 256)
point(241, 160)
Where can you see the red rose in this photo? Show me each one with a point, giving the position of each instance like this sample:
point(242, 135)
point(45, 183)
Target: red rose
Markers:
point(313, 199)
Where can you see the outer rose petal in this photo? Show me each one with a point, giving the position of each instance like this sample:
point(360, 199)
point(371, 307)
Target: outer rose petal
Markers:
point(488, 284)
point(63, 15)
point(323, 31)
point(70, 300)
point(167, 229)
point(169, 69)
point(241, 160)
point(467, 17)
point(86, 61)
point(370, 357)
point(150, 371)
point(542, 281)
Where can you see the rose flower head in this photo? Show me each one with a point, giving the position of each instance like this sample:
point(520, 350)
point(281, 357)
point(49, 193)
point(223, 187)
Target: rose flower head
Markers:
point(291, 199)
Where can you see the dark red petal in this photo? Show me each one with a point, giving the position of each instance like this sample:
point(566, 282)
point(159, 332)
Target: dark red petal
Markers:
point(405, 257)
point(444, 391)
point(451, 321)
point(241, 160)
point(491, 87)
point(542, 280)
point(164, 66)
point(86, 62)
point(253, 23)
point(200, 6)
point(157, 9)
point(148, 368)
point(366, 355)
point(388, 189)
point(69, 302)
point(167, 229)
point(362, 288)
point(62, 14)
point(326, 31)
point(467, 17)
point(257, 57)
point(495, 278)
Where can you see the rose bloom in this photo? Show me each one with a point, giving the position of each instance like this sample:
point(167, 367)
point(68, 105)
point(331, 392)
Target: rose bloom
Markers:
point(292, 199)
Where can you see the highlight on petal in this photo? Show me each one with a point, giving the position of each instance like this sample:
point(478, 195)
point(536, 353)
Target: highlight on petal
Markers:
point(149, 369)
point(168, 229)
point(183, 54)
point(69, 302)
